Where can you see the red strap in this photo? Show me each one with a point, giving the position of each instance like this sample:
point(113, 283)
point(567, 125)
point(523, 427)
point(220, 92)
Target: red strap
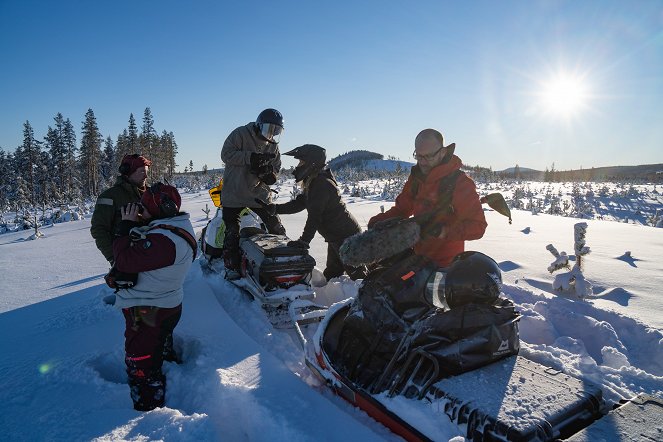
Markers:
point(181, 233)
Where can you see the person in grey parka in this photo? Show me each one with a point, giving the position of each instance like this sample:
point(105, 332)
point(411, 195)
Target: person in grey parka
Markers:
point(252, 161)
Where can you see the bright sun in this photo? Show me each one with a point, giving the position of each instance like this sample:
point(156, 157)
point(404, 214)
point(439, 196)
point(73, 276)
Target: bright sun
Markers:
point(564, 95)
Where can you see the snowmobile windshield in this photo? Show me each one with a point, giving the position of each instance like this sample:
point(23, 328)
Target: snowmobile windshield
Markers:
point(436, 290)
point(271, 132)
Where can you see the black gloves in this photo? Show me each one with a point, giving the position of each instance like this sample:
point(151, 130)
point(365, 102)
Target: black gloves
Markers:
point(262, 167)
point(298, 244)
point(259, 160)
point(268, 178)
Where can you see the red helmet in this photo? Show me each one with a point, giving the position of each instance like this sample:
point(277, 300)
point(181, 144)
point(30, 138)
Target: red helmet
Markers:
point(161, 200)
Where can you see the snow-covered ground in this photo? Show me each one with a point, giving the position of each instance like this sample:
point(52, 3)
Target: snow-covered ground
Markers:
point(62, 369)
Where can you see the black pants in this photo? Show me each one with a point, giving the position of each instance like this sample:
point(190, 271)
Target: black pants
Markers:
point(147, 330)
point(335, 266)
point(231, 219)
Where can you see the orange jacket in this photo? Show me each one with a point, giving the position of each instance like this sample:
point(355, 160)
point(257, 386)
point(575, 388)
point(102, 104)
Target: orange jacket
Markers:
point(465, 222)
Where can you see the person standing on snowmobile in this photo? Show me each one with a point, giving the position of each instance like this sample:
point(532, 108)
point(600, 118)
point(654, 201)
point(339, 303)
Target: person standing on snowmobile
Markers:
point(128, 188)
point(437, 188)
point(327, 213)
point(252, 161)
point(158, 255)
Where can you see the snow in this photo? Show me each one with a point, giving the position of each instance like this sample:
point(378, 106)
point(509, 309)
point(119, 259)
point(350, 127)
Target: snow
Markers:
point(62, 370)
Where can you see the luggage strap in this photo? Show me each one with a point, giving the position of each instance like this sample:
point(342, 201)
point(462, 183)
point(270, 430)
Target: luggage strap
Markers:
point(182, 234)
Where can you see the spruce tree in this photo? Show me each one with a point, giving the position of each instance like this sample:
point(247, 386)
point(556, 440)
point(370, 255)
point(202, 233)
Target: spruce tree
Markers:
point(147, 141)
point(71, 169)
point(28, 158)
point(90, 155)
point(108, 162)
point(132, 137)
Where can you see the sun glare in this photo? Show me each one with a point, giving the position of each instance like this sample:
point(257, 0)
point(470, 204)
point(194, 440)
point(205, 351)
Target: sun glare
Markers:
point(564, 95)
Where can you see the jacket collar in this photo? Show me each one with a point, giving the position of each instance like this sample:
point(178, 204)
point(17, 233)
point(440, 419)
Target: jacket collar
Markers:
point(439, 171)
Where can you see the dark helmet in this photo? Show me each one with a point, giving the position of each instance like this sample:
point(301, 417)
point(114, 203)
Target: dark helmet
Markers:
point(472, 278)
point(270, 124)
point(313, 159)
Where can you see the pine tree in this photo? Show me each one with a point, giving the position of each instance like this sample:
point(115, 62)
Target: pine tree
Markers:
point(5, 180)
point(169, 148)
point(90, 155)
point(147, 141)
point(54, 142)
point(71, 189)
point(132, 136)
point(28, 158)
point(121, 147)
point(108, 162)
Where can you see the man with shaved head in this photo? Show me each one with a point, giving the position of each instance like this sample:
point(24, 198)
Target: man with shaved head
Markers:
point(439, 192)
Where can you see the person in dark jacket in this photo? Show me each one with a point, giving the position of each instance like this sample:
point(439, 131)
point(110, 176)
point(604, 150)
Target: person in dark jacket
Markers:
point(252, 161)
point(159, 254)
point(327, 213)
point(128, 188)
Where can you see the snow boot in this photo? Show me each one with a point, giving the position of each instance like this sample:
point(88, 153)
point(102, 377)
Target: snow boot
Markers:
point(169, 354)
point(147, 392)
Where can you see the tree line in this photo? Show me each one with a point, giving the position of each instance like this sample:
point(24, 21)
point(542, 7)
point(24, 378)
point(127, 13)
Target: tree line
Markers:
point(56, 170)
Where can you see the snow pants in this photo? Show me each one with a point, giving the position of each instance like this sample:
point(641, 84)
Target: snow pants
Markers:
point(148, 340)
point(335, 266)
point(231, 218)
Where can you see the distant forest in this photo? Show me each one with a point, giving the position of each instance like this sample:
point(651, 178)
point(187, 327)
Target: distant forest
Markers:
point(649, 173)
point(57, 170)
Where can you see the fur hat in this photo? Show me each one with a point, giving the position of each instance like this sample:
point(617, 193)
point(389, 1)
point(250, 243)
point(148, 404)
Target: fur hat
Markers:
point(161, 200)
point(130, 163)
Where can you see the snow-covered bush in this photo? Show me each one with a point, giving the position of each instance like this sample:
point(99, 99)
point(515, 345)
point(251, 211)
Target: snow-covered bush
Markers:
point(573, 279)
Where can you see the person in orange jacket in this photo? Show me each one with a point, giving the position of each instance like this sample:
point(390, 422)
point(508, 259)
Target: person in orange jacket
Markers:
point(437, 190)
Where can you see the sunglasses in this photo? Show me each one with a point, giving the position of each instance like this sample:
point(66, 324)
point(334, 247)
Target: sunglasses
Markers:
point(429, 157)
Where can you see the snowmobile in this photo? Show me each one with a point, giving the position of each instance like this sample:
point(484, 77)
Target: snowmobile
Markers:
point(447, 338)
point(273, 272)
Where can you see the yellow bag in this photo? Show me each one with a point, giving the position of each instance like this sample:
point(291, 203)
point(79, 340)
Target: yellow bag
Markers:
point(215, 193)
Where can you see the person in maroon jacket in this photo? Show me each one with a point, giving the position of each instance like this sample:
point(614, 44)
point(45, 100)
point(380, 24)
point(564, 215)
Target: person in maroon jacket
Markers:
point(159, 255)
point(455, 214)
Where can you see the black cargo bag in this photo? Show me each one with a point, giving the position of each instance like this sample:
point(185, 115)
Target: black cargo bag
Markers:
point(469, 336)
point(392, 319)
point(389, 301)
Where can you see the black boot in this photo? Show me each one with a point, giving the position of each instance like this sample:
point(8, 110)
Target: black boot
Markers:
point(169, 353)
point(147, 392)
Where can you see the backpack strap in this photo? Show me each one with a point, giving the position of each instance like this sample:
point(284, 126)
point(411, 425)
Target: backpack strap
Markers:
point(182, 234)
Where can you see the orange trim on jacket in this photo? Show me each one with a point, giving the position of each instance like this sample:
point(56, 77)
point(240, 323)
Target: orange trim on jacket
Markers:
point(466, 222)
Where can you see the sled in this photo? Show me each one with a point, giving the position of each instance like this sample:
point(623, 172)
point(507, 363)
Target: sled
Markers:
point(279, 277)
point(486, 403)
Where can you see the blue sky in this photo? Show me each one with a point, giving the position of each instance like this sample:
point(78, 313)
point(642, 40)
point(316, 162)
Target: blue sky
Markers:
point(349, 75)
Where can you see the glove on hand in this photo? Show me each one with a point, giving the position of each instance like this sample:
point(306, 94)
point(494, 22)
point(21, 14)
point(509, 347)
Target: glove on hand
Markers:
point(268, 178)
point(259, 160)
point(299, 244)
point(387, 223)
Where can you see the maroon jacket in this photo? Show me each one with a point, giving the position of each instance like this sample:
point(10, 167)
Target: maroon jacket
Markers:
point(465, 222)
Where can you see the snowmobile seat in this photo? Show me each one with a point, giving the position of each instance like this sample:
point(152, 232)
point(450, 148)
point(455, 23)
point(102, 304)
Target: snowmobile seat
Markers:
point(517, 400)
point(248, 232)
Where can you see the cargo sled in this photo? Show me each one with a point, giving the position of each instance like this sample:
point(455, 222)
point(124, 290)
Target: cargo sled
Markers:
point(276, 274)
point(279, 276)
point(446, 338)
